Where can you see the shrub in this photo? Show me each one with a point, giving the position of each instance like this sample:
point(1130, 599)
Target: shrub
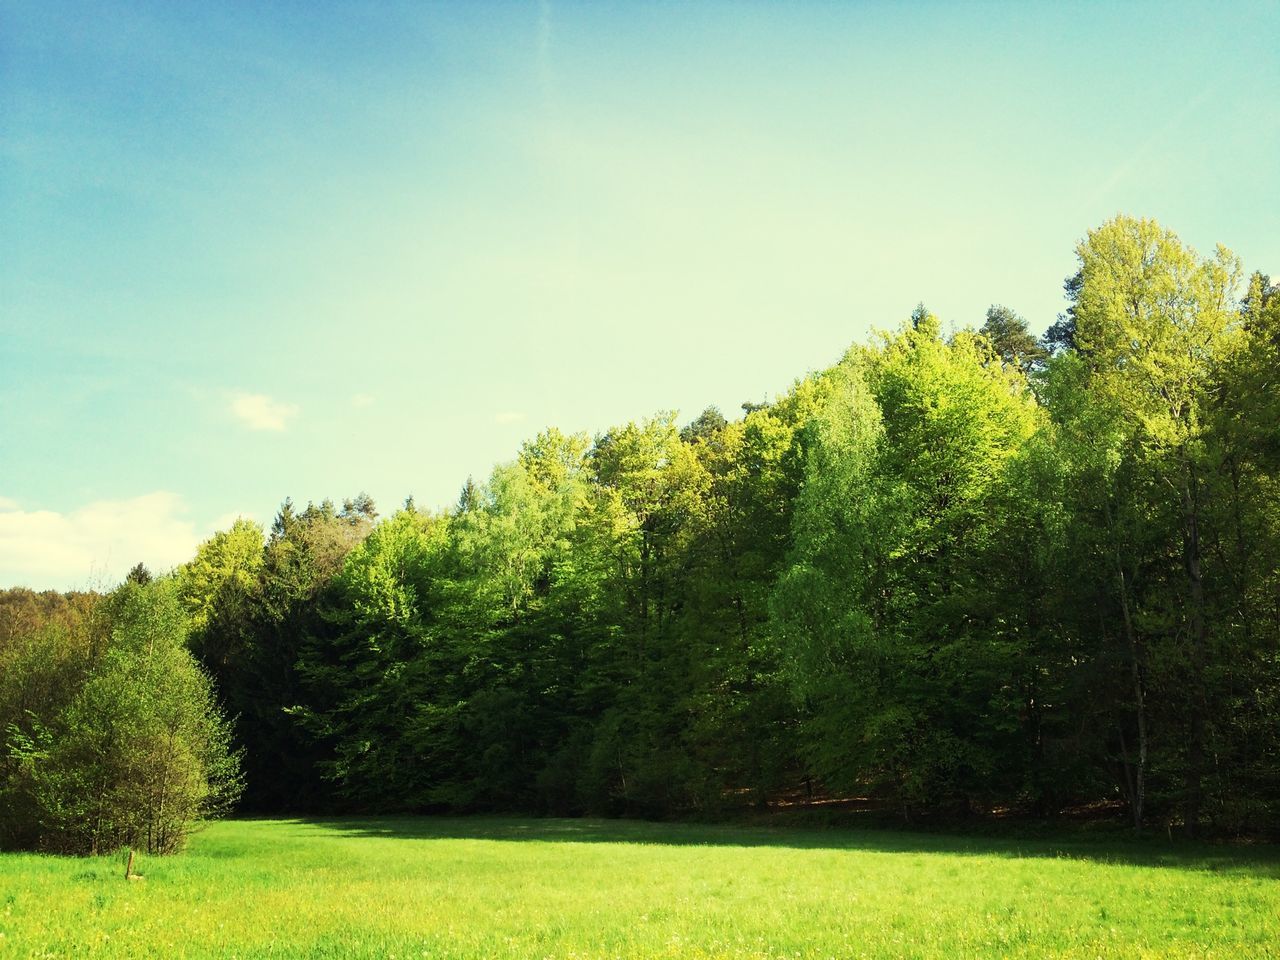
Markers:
point(124, 746)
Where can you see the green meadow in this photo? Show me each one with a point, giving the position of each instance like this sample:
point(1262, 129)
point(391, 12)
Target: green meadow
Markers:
point(496, 888)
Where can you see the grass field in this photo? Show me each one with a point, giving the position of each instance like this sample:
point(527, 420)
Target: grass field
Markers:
point(482, 888)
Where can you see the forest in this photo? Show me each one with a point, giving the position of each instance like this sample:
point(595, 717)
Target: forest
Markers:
point(959, 573)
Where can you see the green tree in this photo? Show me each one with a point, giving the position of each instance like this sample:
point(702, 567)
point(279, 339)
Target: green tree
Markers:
point(1154, 321)
point(133, 750)
point(251, 645)
point(903, 690)
point(369, 677)
point(1013, 343)
point(223, 573)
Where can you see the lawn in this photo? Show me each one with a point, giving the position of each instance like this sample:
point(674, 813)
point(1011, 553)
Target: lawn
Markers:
point(482, 887)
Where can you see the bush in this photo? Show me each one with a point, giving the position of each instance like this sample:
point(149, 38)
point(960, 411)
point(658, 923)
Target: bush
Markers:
point(111, 736)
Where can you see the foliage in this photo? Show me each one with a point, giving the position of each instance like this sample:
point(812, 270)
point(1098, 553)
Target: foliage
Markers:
point(112, 736)
point(907, 691)
point(1011, 339)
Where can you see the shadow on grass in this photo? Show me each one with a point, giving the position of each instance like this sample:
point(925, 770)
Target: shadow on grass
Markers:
point(1113, 848)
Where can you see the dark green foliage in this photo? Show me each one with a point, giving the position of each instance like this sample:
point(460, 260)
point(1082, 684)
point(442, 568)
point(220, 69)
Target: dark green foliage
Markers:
point(139, 575)
point(253, 636)
point(1012, 341)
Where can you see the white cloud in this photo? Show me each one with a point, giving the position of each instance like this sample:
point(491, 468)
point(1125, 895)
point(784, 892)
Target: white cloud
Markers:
point(94, 545)
point(359, 400)
point(260, 412)
point(508, 416)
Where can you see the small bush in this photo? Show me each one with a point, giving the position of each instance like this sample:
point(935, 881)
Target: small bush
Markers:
point(110, 733)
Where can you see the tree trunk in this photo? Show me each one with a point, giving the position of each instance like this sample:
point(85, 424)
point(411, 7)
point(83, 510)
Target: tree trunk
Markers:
point(1193, 786)
point(1140, 705)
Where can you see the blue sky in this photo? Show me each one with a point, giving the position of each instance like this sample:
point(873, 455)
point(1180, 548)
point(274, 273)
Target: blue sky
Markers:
point(250, 251)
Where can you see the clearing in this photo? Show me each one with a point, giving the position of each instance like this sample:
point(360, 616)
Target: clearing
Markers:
point(496, 888)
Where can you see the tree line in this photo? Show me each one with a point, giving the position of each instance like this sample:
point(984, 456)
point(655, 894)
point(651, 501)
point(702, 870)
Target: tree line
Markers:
point(950, 573)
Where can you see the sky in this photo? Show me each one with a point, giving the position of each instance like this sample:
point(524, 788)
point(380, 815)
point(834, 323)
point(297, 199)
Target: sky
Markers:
point(257, 251)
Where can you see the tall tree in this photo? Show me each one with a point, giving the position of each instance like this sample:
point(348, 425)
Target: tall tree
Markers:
point(1154, 320)
point(1012, 341)
point(889, 534)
